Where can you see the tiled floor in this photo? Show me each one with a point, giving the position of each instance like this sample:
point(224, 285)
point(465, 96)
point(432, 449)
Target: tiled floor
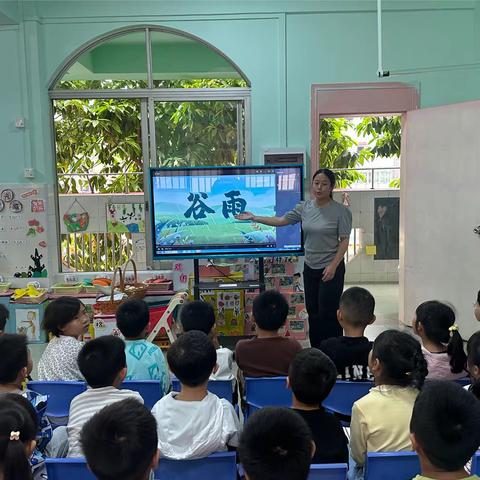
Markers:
point(386, 311)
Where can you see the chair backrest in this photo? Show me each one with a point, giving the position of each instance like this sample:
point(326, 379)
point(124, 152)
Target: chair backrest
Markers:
point(332, 471)
point(267, 392)
point(344, 394)
point(218, 466)
point(391, 465)
point(221, 388)
point(150, 390)
point(60, 395)
point(476, 463)
point(68, 468)
point(463, 381)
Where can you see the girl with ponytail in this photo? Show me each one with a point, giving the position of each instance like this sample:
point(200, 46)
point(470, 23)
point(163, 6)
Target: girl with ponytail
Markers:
point(442, 344)
point(18, 430)
point(381, 419)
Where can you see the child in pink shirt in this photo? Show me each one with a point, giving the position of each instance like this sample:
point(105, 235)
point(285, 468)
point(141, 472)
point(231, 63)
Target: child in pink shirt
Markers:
point(442, 344)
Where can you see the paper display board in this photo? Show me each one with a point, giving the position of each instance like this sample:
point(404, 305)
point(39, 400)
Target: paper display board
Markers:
point(23, 234)
point(28, 323)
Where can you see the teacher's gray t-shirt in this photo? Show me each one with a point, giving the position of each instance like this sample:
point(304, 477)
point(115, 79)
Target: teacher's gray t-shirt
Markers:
point(322, 228)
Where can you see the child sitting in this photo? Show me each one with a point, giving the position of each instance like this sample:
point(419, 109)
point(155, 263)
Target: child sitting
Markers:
point(381, 419)
point(194, 423)
point(445, 430)
point(17, 437)
point(120, 442)
point(103, 364)
point(442, 345)
point(198, 315)
point(145, 361)
point(66, 320)
point(473, 363)
point(268, 354)
point(276, 444)
point(311, 377)
point(3, 318)
point(14, 369)
point(350, 352)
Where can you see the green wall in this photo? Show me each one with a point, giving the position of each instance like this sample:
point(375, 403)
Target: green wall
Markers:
point(282, 47)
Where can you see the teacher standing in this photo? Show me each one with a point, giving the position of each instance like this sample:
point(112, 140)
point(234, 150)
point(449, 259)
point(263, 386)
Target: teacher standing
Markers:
point(326, 226)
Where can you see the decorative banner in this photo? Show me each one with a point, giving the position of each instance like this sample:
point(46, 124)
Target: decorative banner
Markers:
point(76, 221)
point(125, 218)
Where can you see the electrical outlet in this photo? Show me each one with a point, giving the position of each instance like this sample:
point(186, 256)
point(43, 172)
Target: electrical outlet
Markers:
point(28, 173)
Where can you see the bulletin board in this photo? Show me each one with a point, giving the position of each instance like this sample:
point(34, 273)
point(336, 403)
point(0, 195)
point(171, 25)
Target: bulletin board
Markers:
point(23, 231)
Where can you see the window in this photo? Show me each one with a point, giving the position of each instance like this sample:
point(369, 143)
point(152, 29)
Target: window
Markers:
point(137, 98)
point(364, 151)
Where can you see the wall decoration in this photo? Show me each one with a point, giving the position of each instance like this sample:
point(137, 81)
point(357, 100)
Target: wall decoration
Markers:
point(23, 232)
point(28, 323)
point(7, 195)
point(125, 218)
point(387, 227)
point(37, 206)
point(16, 206)
point(76, 220)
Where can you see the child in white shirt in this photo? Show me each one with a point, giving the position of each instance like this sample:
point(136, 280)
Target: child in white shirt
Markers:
point(194, 423)
point(198, 315)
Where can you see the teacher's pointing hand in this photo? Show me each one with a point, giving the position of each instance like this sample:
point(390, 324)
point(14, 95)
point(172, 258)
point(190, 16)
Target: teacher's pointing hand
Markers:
point(245, 216)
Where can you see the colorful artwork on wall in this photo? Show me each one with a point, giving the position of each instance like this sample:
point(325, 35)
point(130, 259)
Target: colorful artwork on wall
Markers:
point(125, 218)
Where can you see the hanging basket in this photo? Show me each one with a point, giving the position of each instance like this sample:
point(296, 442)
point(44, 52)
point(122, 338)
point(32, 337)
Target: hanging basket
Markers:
point(108, 305)
point(76, 221)
point(136, 289)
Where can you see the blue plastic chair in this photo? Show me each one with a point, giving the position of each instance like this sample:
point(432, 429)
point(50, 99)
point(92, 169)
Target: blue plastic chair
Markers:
point(68, 468)
point(266, 392)
point(332, 471)
point(476, 463)
point(464, 381)
point(60, 394)
point(218, 466)
point(221, 388)
point(391, 465)
point(344, 394)
point(150, 390)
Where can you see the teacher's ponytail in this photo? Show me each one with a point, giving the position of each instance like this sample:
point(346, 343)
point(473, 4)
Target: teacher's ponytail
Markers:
point(329, 174)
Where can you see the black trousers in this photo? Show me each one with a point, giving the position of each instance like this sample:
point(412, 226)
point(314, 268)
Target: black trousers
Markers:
point(322, 300)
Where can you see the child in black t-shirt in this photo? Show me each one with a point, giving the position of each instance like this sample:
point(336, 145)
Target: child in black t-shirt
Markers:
point(350, 352)
point(311, 377)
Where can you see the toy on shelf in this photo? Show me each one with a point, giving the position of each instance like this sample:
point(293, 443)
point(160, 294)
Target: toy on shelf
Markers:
point(30, 294)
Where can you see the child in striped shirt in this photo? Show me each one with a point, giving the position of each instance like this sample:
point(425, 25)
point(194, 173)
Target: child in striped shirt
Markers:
point(103, 364)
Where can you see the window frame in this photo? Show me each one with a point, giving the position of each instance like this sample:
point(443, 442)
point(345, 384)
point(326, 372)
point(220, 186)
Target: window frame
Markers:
point(147, 97)
point(356, 100)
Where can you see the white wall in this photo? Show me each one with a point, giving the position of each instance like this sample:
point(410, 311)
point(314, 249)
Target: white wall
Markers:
point(439, 207)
